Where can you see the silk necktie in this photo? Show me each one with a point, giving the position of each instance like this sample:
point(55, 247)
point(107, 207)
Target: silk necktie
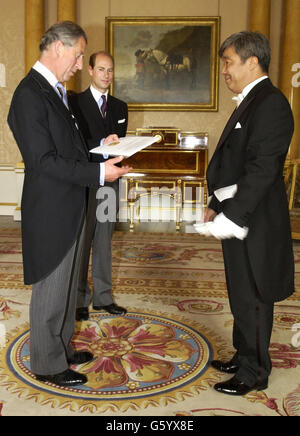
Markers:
point(103, 105)
point(63, 93)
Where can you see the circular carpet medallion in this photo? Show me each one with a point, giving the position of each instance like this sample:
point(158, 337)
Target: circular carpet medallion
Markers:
point(139, 360)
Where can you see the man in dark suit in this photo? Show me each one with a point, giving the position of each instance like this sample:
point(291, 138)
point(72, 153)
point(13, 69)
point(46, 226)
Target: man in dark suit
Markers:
point(96, 122)
point(57, 172)
point(249, 209)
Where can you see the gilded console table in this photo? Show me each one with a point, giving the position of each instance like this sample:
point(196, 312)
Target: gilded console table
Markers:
point(176, 170)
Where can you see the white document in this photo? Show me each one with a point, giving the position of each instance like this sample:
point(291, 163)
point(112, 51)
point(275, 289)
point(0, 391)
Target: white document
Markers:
point(126, 146)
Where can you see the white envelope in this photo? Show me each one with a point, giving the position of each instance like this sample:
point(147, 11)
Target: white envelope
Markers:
point(238, 126)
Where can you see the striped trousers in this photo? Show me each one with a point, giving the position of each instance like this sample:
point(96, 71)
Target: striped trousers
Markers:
point(52, 314)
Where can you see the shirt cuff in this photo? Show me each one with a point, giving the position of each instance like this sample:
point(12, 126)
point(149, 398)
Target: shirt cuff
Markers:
point(226, 192)
point(105, 156)
point(102, 174)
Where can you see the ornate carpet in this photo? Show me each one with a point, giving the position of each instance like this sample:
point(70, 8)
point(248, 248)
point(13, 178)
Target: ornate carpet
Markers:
point(155, 360)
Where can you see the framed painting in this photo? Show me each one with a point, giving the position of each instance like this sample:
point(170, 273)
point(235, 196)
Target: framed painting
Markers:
point(165, 63)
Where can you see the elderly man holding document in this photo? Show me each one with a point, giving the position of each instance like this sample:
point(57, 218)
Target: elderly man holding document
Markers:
point(249, 210)
point(57, 173)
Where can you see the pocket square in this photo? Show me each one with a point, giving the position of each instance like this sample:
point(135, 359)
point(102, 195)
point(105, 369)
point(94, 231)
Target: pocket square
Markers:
point(121, 121)
point(238, 126)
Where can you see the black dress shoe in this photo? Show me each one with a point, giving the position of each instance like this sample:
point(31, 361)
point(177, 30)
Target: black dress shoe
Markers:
point(81, 357)
point(237, 387)
point(227, 367)
point(112, 308)
point(65, 379)
point(82, 314)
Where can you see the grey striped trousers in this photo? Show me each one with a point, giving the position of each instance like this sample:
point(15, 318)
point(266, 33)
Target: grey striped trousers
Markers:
point(52, 314)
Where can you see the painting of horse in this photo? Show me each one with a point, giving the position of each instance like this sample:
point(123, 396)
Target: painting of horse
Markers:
point(173, 66)
point(165, 63)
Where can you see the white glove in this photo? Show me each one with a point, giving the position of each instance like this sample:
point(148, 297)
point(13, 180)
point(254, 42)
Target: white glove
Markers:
point(203, 228)
point(222, 228)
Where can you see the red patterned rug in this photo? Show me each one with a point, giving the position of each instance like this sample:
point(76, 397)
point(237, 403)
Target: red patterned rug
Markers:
point(155, 360)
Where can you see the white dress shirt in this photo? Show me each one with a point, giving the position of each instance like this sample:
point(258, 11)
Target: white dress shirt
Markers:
point(97, 96)
point(47, 74)
point(240, 97)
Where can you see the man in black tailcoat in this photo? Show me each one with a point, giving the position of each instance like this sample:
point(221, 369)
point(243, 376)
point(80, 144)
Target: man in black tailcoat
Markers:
point(57, 173)
point(249, 209)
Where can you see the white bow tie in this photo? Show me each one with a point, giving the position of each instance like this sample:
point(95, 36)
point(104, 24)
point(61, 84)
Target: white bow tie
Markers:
point(239, 98)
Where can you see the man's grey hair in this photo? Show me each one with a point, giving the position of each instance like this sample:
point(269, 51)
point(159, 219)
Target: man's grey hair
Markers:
point(247, 44)
point(66, 31)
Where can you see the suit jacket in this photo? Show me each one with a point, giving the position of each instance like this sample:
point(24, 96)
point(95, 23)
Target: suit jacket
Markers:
point(252, 155)
point(93, 126)
point(57, 173)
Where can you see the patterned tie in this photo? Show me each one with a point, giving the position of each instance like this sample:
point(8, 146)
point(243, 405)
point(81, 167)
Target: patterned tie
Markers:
point(63, 93)
point(103, 105)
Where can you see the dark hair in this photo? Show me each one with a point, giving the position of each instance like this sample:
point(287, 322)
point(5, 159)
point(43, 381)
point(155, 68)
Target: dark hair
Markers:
point(247, 44)
point(93, 56)
point(66, 31)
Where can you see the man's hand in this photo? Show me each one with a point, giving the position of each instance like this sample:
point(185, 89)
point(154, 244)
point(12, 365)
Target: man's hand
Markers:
point(112, 172)
point(209, 215)
point(111, 138)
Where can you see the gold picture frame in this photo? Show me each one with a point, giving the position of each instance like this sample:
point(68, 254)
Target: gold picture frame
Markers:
point(165, 63)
